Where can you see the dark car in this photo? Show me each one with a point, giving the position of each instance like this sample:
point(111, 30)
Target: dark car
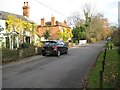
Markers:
point(54, 47)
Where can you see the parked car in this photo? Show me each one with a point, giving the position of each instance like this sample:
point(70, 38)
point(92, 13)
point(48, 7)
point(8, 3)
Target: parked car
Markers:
point(54, 47)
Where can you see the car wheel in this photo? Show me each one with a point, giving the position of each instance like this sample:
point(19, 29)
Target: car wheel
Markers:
point(43, 54)
point(58, 53)
point(66, 52)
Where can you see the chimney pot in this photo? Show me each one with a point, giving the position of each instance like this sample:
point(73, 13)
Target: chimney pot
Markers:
point(27, 3)
point(42, 22)
point(26, 9)
point(24, 3)
point(52, 21)
point(65, 22)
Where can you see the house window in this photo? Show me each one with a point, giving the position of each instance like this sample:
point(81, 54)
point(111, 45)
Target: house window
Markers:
point(7, 42)
point(14, 42)
point(27, 39)
point(6, 25)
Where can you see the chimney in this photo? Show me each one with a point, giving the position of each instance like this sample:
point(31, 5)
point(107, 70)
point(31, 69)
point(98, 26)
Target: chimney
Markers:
point(65, 22)
point(26, 9)
point(52, 21)
point(42, 22)
point(24, 3)
point(27, 3)
point(56, 22)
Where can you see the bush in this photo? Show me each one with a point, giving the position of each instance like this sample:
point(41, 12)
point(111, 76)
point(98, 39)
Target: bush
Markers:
point(119, 50)
point(76, 42)
point(9, 55)
point(28, 52)
point(92, 40)
point(24, 45)
point(109, 44)
point(38, 50)
point(13, 55)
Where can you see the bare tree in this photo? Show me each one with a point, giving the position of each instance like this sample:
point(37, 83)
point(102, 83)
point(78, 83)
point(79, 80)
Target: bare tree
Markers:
point(89, 11)
point(74, 19)
point(87, 8)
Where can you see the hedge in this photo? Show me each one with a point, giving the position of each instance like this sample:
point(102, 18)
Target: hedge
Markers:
point(13, 55)
point(9, 55)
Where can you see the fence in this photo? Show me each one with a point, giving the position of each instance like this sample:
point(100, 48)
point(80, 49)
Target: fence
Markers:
point(102, 71)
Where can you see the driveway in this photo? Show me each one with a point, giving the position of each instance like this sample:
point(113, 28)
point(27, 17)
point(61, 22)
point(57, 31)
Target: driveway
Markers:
point(65, 71)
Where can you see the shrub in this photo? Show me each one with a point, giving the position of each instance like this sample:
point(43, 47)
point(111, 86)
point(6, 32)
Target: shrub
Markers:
point(9, 55)
point(92, 40)
point(118, 50)
point(13, 55)
point(76, 42)
point(24, 45)
point(26, 52)
point(39, 50)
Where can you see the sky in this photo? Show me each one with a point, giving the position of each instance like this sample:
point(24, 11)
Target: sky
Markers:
point(109, 8)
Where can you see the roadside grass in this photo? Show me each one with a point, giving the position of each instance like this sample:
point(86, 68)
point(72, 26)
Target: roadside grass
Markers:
point(111, 78)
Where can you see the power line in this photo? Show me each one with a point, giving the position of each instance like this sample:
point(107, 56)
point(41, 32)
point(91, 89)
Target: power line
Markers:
point(50, 8)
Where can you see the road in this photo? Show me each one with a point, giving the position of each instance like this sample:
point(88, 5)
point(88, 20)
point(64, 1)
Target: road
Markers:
point(65, 71)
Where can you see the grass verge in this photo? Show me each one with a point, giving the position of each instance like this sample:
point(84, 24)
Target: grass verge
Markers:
point(111, 74)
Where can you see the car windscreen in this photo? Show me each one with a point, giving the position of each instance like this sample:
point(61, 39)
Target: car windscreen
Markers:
point(50, 43)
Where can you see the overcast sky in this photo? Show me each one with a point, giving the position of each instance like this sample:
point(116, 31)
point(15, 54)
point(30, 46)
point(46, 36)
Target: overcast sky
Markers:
point(109, 8)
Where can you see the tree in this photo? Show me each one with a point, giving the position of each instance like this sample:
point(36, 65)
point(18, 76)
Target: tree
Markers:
point(65, 35)
point(115, 35)
point(18, 26)
point(60, 34)
point(96, 27)
point(74, 19)
point(88, 11)
point(14, 26)
point(99, 28)
point(46, 34)
point(79, 33)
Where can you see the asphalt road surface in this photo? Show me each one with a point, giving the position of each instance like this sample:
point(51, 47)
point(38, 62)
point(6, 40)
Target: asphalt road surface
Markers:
point(65, 71)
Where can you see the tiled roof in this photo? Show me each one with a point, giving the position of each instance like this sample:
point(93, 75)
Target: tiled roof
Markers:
point(57, 23)
point(62, 24)
point(4, 16)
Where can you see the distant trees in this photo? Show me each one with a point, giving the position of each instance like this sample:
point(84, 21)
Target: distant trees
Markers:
point(115, 35)
point(99, 28)
point(96, 27)
point(74, 19)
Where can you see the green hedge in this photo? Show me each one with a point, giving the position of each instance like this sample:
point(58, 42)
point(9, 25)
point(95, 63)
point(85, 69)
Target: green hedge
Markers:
point(39, 50)
point(13, 55)
point(9, 55)
point(27, 52)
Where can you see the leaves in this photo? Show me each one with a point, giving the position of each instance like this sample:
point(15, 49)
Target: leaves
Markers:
point(46, 34)
point(79, 33)
point(21, 27)
point(66, 34)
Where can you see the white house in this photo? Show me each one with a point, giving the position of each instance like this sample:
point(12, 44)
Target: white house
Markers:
point(5, 37)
